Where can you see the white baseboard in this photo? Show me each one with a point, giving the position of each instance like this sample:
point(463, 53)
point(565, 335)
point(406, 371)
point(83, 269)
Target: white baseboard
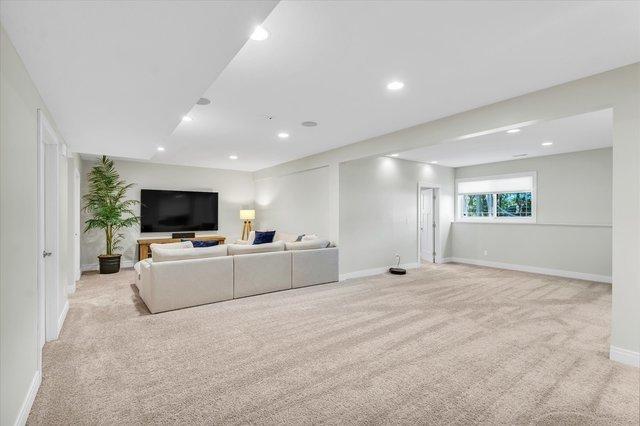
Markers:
point(71, 288)
point(374, 271)
point(62, 317)
point(533, 269)
point(25, 409)
point(624, 356)
point(96, 266)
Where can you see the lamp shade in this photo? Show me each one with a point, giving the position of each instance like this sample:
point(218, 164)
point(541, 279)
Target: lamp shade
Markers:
point(247, 214)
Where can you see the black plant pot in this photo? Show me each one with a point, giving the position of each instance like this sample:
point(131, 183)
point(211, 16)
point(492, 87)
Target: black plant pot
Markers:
point(109, 263)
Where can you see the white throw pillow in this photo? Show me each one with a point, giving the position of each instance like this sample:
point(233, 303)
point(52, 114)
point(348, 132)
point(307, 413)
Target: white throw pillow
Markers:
point(310, 237)
point(236, 249)
point(162, 255)
point(307, 245)
point(171, 246)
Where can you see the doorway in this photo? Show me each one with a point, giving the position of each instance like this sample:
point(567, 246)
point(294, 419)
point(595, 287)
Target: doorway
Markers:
point(427, 225)
point(428, 222)
point(49, 297)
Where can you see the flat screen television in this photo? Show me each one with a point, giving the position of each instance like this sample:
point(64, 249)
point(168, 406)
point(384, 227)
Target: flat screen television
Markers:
point(178, 211)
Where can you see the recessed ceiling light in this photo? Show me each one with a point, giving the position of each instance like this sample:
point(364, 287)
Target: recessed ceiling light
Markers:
point(520, 155)
point(160, 148)
point(394, 155)
point(233, 157)
point(259, 34)
point(547, 143)
point(309, 123)
point(395, 85)
point(434, 162)
point(513, 131)
point(203, 101)
point(187, 118)
point(283, 135)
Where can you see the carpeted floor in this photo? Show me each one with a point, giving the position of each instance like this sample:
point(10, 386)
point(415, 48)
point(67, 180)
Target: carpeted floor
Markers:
point(444, 344)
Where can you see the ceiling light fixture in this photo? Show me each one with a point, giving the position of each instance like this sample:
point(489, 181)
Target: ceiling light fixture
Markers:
point(309, 123)
point(187, 118)
point(547, 143)
point(259, 34)
point(395, 85)
point(513, 131)
point(203, 101)
point(233, 157)
point(283, 135)
point(160, 148)
point(434, 162)
point(520, 155)
point(394, 155)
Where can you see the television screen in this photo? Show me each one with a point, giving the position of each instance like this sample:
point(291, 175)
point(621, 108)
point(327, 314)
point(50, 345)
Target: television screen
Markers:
point(178, 211)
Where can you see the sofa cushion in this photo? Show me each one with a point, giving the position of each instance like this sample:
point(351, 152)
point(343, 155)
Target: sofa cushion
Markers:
point(309, 237)
point(279, 236)
point(307, 245)
point(236, 249)
point(264, 237)
point(170, 246)
point(163, 255)
point(203, 243)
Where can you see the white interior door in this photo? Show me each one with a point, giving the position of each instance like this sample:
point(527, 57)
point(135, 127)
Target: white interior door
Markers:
point(76, 224)
point(48, 232)
point(427, 225)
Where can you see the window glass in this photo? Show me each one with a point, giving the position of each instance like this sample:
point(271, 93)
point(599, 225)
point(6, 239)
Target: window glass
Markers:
point(477, 205)
point(513, 204)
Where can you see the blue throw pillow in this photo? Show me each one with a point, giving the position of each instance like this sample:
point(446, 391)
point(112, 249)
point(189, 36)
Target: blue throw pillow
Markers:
point(264, 237)
point(199, 243)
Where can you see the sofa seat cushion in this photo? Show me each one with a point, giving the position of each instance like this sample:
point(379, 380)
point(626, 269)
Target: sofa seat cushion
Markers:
point(307, 245)
point(237, 249)
point(171, 246)
point(165, 255)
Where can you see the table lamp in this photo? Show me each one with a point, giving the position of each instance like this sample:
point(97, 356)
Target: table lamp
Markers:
point(247, 216)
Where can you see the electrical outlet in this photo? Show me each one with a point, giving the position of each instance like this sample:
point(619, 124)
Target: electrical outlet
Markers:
point(486, 252)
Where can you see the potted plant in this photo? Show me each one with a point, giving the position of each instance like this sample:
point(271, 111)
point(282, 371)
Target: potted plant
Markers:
point(109, 210)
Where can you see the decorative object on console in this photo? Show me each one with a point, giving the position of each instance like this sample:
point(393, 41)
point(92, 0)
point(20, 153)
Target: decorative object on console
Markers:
point(247, 216)
point(109, 210)
point(264, 237)
point(183, 235)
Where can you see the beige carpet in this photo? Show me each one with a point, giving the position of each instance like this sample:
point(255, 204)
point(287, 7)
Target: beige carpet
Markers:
point(445, 344)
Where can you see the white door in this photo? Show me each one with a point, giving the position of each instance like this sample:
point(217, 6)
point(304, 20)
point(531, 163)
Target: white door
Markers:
point(427, 225)
point(76, 224)
point(48, 228)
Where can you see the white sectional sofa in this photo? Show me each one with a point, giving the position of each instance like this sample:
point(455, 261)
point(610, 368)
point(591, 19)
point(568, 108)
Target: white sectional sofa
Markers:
point(178, 275)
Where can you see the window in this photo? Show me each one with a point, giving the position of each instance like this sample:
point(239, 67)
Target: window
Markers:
point(506, 198)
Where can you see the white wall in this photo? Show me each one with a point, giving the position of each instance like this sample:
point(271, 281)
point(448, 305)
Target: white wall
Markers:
point(19, 350)
point(235, 192)
point(295, 203)
point(618, 89)
point(573, 229)
point(379, 211)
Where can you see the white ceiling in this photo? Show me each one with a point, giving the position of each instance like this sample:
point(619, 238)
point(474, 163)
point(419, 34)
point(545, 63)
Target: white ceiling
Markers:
point(577, 133)
point(324, 61)
point(330, 61)
point(118, 76)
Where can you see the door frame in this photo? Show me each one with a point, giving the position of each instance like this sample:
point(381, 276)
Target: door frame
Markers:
point(48, 229)
point(436, 218)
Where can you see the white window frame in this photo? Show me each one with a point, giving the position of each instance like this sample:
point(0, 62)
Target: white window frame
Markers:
point(493, 218)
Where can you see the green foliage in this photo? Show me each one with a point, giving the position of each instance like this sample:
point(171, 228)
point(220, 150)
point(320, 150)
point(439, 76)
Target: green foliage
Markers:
point(106, 203)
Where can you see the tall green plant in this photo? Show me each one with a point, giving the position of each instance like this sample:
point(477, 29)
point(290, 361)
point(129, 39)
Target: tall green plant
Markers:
point(106, 204)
